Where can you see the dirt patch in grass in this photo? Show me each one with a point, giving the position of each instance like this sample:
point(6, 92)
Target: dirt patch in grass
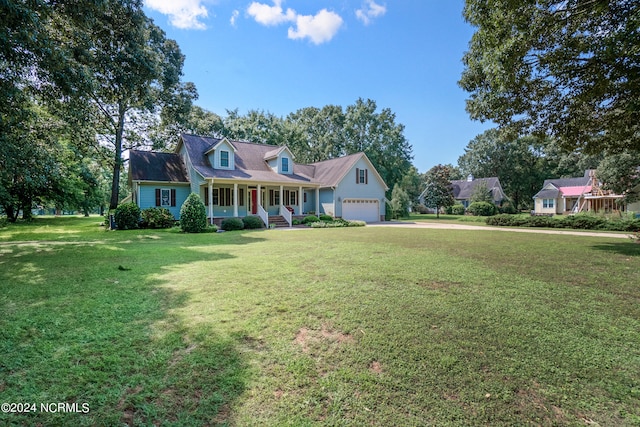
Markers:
point(376, 367)
point(312, 338)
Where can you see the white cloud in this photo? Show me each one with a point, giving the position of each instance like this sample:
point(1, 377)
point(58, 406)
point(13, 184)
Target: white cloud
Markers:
point(320, 27)
point(234, 16)
point(369, 11)
point(270, 15)
point(185, 14)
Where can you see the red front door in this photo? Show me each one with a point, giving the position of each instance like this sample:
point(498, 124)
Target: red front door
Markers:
point(254, 202)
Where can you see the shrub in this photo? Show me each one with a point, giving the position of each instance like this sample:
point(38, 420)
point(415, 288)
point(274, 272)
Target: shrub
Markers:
point(482, 209)
point(325, 217)
point(211, 228)
point(338, 223)
point(193, 215)
point(421, 209)
point(508, 208)
point(457, 210)
point(309, 219)
point(3, 221)
point(502, 220)
point(583, 221)
point(251, 222)
point(231, 224)
point(157, 218)
point(127, 216)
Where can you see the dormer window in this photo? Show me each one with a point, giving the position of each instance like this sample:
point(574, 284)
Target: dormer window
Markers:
point(224, 159)
point(285, 164)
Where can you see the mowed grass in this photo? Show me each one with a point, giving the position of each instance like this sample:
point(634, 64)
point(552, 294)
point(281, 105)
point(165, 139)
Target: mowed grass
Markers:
point(355, 326)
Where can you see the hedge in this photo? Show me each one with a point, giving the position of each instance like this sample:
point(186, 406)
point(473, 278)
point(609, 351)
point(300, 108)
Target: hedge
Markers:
point(576, 222)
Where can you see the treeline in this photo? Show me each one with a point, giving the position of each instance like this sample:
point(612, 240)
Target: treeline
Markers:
point(315, 134)
point(82, 82)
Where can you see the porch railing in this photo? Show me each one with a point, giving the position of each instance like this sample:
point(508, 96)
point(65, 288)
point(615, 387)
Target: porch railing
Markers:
point(264, 216)
point(286, 214)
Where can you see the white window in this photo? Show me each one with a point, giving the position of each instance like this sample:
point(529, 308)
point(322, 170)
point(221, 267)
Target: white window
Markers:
point(285, 164)
point(224, 159)
point(165, 197)
point(548, 203)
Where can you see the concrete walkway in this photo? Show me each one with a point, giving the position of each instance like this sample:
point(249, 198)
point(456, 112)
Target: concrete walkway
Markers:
point(450, 226)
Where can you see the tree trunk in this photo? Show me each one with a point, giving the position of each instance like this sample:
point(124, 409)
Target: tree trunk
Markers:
point(115, 183)
point(12, 214)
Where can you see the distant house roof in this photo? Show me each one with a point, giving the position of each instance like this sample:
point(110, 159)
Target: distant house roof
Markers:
point(574, 190)
point(463, 189)
point(567, 187)
point(152, 166)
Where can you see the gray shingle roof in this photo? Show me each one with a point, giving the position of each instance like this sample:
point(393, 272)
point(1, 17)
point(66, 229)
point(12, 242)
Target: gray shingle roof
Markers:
point(152, 166)
point(250, 164)
point(463, 189)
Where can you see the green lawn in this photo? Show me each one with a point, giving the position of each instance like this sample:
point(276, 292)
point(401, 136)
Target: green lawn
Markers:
point(350, 326)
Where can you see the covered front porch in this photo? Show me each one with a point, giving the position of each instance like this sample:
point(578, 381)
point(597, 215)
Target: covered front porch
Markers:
point(226, 199)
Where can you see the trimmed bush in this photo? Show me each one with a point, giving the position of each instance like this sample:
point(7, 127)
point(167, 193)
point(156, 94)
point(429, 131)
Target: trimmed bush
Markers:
point(252, 222)
point(482, 209)
point(231, 224)
point(193, 215)
point(457, 210)
point(584, 221)
point(157, 218)
point(338, 223)
point(325, 217)
point(127, 216)
point(309, 219)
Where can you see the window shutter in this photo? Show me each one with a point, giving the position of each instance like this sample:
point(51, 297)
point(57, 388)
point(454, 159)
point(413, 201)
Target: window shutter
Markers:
point(206, 197)
point(173, 197)
point(357, 176)
point(157, 197)
point(366, 176)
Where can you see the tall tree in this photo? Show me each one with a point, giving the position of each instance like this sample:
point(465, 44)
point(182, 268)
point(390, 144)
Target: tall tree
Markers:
point(438, 192)
point(379, 137)
point(518, 163)
point(256, 126)
point(318, 133)
point(130, 76)
point(563, 68)
point(621, 174)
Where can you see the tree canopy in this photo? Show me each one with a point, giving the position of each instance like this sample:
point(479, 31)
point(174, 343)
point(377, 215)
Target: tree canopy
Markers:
point(563, 68)
point(438, 192)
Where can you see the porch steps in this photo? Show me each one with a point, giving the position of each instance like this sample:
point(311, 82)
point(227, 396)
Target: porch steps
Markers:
point(279, 221)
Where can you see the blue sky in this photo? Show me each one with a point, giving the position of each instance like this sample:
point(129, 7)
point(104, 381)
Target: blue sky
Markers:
point(283, 55)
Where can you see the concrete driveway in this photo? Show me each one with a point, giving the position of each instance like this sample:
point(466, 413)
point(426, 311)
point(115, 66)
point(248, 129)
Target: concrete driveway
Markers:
point(449, 226)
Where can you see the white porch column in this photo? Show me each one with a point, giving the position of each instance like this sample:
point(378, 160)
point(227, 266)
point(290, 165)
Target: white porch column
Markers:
point(300, 200)
point(281, 201)
point(259, 195)
point(317, 202)
point(210, 190)
point(235, 199)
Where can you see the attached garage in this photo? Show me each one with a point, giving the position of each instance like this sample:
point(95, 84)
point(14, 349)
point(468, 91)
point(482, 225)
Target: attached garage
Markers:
point(367, 210)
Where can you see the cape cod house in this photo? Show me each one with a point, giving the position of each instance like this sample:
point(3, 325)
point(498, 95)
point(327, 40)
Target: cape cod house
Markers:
point(463, 190)
point(237, 179)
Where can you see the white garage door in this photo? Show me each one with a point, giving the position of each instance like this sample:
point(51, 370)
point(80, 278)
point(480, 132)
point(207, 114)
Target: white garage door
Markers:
point(362, 209)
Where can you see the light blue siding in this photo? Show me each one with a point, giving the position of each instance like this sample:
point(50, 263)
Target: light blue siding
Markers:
point(349, 189)
point(147, 196)
point(310, 204)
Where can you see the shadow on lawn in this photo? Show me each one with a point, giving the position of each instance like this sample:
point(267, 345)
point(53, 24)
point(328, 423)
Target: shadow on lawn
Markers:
point(77, 329)
point(627, 248)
